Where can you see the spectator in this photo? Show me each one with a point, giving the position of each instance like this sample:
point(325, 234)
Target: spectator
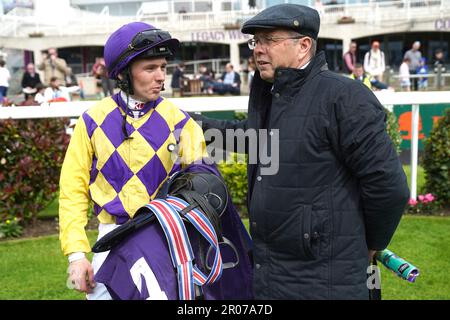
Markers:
point(30, 98)
point(405, 82)
point(374, 62)
point(107, 84)
point(53, 66)
point(5, 76)
point(414, 56)
point(251, 74)
point(359, 74)
point(251, 68)
point(206, 76)
point(98, 62)
point(177, 76)
point(30, 78)
point(422, 70)
point(350, 58)
point(58, 93)
point(71, 79)
point(40, 91)
point(230, 82)
point(439, 58)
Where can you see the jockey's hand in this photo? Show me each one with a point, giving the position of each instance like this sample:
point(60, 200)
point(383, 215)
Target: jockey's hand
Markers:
point(81, 275)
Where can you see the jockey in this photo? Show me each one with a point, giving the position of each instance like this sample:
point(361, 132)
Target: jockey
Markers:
point(123, 148)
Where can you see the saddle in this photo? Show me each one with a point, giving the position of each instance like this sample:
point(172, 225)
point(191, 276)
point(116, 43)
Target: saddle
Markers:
point(204, 191)
point(196, 198)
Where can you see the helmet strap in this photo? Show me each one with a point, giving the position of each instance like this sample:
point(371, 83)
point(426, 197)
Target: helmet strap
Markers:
point(126, 85)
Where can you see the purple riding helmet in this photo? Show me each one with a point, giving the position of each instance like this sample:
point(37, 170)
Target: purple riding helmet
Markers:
point(133, 40)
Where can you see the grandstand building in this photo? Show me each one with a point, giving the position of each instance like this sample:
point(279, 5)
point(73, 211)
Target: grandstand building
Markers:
point(210, 30)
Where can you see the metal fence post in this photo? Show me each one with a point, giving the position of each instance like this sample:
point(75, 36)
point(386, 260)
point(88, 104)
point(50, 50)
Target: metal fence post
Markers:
point(438, 71)
point(414, 149)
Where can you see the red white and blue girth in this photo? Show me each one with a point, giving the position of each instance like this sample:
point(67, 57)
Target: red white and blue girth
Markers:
point(180, 247)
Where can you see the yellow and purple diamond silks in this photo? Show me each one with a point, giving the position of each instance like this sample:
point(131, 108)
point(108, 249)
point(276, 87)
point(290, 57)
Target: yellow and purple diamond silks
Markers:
point(118, 175)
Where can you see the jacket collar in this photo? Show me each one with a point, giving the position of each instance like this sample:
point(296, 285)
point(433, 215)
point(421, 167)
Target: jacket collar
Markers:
point(289, 80)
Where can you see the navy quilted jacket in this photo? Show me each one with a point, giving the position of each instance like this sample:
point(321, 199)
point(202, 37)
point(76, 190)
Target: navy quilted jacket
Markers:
point(340, 188)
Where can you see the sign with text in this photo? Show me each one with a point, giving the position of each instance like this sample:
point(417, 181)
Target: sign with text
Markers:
point(219, 36)
point(429, 116)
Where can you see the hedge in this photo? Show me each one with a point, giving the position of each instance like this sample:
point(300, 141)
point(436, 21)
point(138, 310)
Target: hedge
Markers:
point(31, 155)
point(436, 161)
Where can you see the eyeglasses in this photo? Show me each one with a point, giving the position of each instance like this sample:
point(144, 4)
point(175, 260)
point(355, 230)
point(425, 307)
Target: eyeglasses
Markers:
point(141, 41)
point(267, 40)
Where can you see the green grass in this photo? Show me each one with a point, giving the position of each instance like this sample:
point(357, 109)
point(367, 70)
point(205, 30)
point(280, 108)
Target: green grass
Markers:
point(51, 211)
point(36, 269)
point(421, 176)
point(424, 242)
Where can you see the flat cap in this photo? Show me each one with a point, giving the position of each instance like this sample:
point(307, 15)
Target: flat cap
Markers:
point(301, 19)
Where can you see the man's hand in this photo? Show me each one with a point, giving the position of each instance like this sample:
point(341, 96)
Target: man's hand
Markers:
point(81, 275)
point(372, 254)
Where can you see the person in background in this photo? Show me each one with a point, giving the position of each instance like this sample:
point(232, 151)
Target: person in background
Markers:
point(229, 82)
point(404, 76)
point(30, 78)
point(350, 58)
point(99, 61)
point(439, 58)
point(53, 67)
point(422, 70)
point(30, 99)
point(414, 55)
point(374, 62)
point(40, 91)
point(177, 76)
point(107, 84)
point(206, 76)
point(5, 76)
point(439, 66)
point(56, 92)
point(71, 79)
point(359, 74)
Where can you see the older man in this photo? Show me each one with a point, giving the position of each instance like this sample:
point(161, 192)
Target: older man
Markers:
point(53, 66)
point(340, 190)
point(414, 55)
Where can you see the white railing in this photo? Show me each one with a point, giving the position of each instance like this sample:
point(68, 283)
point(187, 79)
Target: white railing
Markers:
point(386, 12)
point(240, 103)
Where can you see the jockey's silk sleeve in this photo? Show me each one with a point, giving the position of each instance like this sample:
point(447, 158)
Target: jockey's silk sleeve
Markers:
point(74, 197)
point(192, 144)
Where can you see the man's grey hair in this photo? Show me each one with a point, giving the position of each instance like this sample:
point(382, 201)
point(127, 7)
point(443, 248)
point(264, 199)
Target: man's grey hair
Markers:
point(313, 49)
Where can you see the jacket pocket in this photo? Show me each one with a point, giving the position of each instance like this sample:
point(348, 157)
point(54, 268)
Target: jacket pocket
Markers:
point(307, 234)
point(286, 232)
point(315, 232)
